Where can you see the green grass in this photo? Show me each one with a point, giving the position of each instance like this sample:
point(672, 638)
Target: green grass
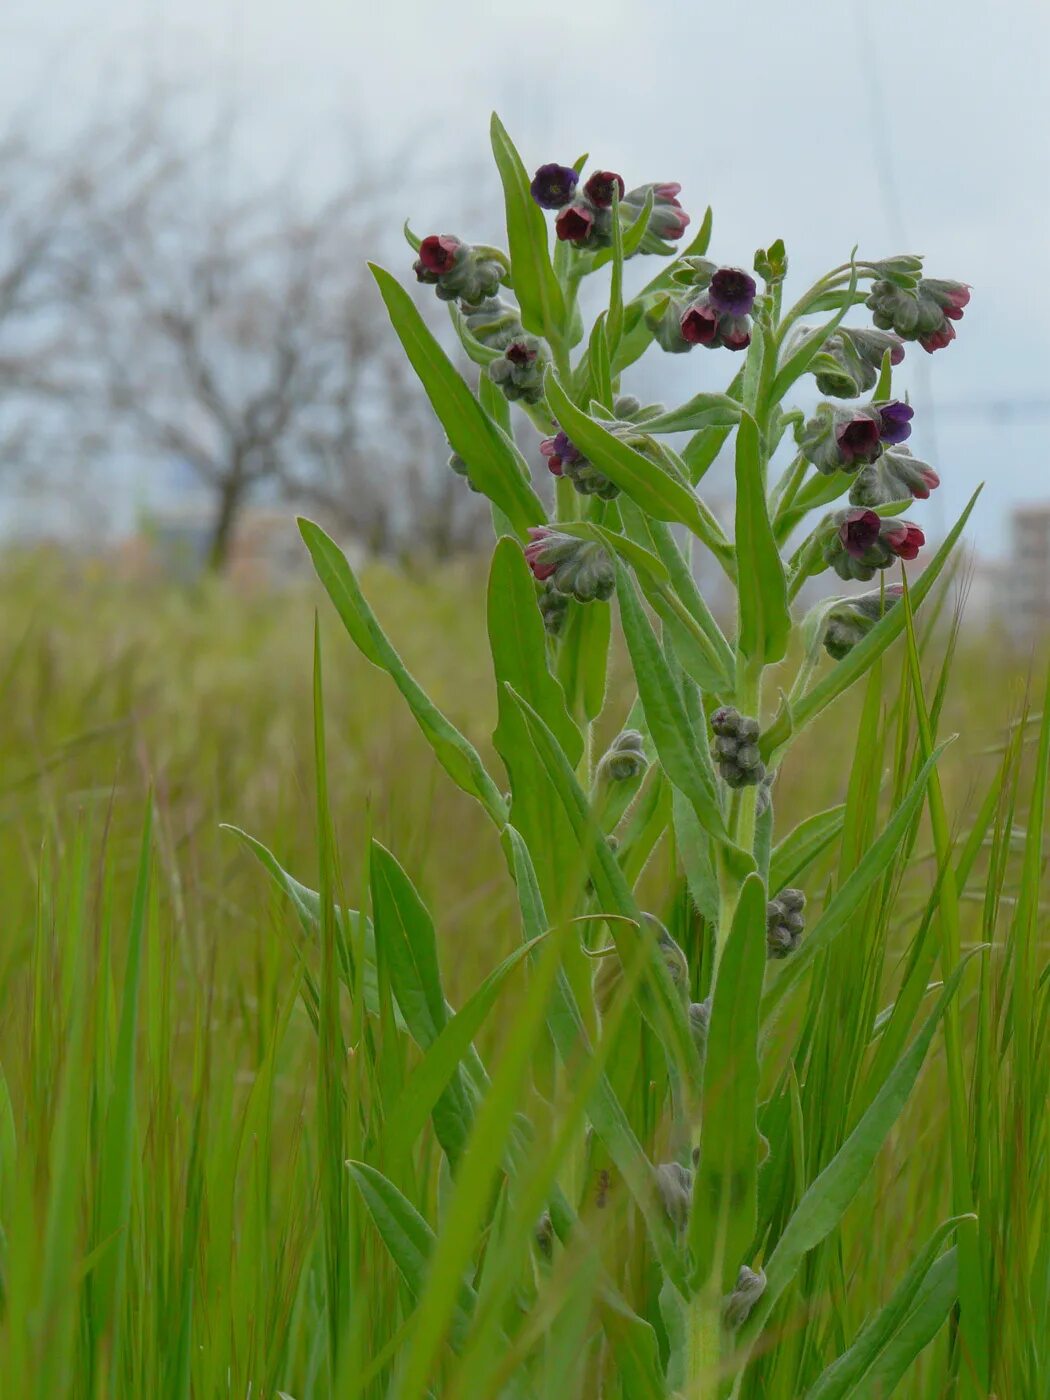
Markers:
point(189, 1061)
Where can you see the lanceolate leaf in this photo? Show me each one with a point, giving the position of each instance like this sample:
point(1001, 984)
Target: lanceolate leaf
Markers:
point(725, 1189)
point(495, 466)
point(810, 347)
point(765, 622)
point(934, 1302)
point(538, 291)
point(459, 758)
point(802, 846)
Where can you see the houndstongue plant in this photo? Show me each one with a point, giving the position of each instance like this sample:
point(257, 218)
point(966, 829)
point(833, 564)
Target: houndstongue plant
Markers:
point(660, 1052)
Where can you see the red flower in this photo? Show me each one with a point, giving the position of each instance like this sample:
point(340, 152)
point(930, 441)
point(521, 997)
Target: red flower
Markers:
point(599, 188)
point(538, 537)
point(903, 538)
point(573, 224)
point(700, 324)
point(437, 252)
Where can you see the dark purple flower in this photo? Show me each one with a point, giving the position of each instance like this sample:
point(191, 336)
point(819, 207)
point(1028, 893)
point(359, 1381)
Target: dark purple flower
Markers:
point(700, 324)
point(858, 531)
point(553, 185)
point(904, 538)
point(437, 252)
point(895, 420)
point(858, 440)
point(573, 225)
point(599, 188)
point(939, 339)
point(518, 353)
point(542, 569)
point(559, 452)
point(731, 290)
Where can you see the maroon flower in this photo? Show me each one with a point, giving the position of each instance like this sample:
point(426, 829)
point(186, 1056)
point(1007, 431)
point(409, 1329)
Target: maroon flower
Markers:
point(542, 569)
point(734, 332)
point(858, 440)
point(700, 324)
point(930, 481)
point(951, 297)
point(939, 339)
point(672, 221)
point(731, 290)
point(438, 252)
point(858, 531)
point(903, 538)
point(518, 353)
point(553, 185)
point(559, 453)
point(573, 225)
point(895, 420)
point(599, 188)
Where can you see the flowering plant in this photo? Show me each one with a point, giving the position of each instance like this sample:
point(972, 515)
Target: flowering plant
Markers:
point(659, 1077)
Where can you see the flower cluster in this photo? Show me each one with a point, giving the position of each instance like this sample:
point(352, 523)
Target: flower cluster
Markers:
point(519, 370)
point(625, 758)
point(735, 748)
point(785, 922)
point(923, 312)
point(716, 314)
point(456, 270)
point(585, 215)
point(750, 1285)
point(851, 619)
point(844, 439)
point(861, 542)
point(566, 460)
point(849, 361)
point(578, 567)
point(893, 476)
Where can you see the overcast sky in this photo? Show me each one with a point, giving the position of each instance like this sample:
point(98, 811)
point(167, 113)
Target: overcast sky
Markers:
point(906, 125)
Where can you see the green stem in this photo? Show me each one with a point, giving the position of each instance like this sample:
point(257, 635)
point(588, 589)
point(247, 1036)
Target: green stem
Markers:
point(703, 1341)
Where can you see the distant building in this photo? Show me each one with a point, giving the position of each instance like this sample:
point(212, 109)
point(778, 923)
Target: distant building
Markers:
point(1027, 611)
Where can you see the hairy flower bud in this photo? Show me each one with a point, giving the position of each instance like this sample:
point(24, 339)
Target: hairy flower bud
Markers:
point(851, 619)
point(923, 312)
point(543, 1235)
point(750, 1286)
point(850, 361)
point(458, 465)
point(553, 185)
point(668, 220)
point(700, 1024)
point(581, 568)
point(519, 370)
point(670, 951)
point(862, 542)
point(564, 459)
point(456, 270)
point(494, 323)
point(893, 477)
point(675, 1185)
point(554, 608)
point(735, 748)
point(625, 758)
point(785, 921)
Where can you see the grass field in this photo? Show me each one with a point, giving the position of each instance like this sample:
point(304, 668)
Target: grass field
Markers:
point(176, 1103)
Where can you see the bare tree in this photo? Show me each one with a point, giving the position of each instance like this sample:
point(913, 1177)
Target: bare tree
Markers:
point(236, 330)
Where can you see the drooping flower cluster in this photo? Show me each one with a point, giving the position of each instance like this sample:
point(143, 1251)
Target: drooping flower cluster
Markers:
point(851, 619)
point(585, 215)
point(519, 370)
point(922, 312)
point(860, 542)
point(578, 567)
point(785, 922)
point(715, 313)
point(893, 476)
point(844, 439)
point(456, 270)
point(849, 361)
point(735, 748)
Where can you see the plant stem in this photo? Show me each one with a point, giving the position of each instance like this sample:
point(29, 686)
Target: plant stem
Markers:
point(702, 1345)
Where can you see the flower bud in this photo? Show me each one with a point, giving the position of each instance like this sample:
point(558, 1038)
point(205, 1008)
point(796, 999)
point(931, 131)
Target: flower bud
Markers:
point(785, 922)
point(564, 459)
point(625, 758)
point(553, 185)
point(456, 270)
point(494, 322)
point(923, 313)
point(581, 568)
point(903, 268)
point(700, 1024)
point(519, 370)
point(600, 187)
point(675, 1185)
point(670, 951)
point(862, 542)
point(750, 1286)
point(851, 619)
point(668, 220)
point(735, 748)
point(850, 361)
point(771, 263)
point(554, 608)
point(543, 1235)
point(458, 465)
point(893, 477)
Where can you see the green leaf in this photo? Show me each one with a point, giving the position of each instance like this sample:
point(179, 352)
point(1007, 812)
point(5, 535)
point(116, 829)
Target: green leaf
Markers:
point(886, 630)
point(801, 847)
point(765, 620)
point(537, 288)
point(583, 658)
point(494, 465)
point(842, 1377)
point(649, 485)
point(826, 1200)
point(409, 1239)
point(456, 755)
point(725, 1185)
point(682, 752)
point(701, 411)
point(847, 900)
point(937, 1297)
point(810, 347)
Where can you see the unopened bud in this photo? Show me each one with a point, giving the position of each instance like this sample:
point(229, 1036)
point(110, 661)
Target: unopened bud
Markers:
point(554, 608)
point(565, 459)
point(923, 312)
point(625, 758)
point(735, 748)
point(578, 567)
point(771, 263)
point(668, 220)
point(894, 476)
point(458, 465)
point(675, 1185)
point(851, 619)
point(519, 370)
point(543, 1235)
point(736, 1308)
point(700, 1024)
point(785, 922)
point(850, 361)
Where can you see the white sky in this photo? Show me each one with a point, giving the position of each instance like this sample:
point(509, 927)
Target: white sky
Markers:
point(905, 125)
